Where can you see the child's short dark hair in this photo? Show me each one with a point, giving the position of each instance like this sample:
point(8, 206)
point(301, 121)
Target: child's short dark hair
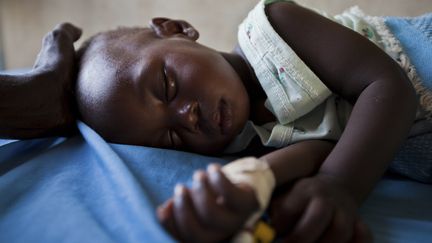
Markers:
point(85, 101)
point(109, 34)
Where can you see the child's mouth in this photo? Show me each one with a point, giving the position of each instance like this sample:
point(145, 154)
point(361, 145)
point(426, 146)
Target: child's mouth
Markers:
point(225, 116)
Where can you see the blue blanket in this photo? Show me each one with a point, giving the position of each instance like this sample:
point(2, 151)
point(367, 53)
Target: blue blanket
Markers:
point(82, 189)
point(415, 35)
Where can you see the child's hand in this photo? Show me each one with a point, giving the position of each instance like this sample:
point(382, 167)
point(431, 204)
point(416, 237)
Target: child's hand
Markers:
point(318, 209)
point(211, 211)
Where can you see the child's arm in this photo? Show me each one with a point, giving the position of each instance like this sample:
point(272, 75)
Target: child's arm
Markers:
point(193, 215)
point(384, 108)
point(40, 102)
point(356, 69)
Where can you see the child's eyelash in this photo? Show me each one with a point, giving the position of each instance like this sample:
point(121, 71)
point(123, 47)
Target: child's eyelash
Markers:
point(171, 134)
point(166, 86)
point(170, 138)
point(170, 86)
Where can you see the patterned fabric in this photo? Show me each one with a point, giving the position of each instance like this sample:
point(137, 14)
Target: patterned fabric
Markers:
point(415, 37)
point(294, 92)
point(414, 159)
point(302, 104)
point(304, 107)
point(291, 87)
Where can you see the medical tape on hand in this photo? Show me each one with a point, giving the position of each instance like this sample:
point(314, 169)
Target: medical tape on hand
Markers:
point(257, 174)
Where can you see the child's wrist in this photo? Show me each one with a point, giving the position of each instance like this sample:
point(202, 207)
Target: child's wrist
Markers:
point(256, 174)
point(344, 184)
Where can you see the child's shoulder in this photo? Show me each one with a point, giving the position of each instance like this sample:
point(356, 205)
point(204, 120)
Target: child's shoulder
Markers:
point(344, 60)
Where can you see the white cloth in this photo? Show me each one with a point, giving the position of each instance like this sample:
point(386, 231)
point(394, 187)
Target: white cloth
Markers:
point(257, 174)
point(303, 106)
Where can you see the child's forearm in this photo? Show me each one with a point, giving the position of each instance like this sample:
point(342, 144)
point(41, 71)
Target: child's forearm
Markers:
point(275, 169)
point(379, 123)
point(358, 71)
point(297, 160)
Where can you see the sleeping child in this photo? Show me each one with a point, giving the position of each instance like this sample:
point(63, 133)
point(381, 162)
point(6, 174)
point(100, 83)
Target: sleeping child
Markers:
point(317, 107)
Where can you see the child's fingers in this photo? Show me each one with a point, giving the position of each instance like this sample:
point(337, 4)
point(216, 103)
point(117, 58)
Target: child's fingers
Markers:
point(288, 210)
point(340, 229)
point(313, 223)
point(189, 227)
point(362, 234)
point(165, 215)
point(209, 211)
point(236, 198)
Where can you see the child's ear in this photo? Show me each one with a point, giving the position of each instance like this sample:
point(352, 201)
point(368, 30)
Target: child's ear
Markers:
point(164, 27)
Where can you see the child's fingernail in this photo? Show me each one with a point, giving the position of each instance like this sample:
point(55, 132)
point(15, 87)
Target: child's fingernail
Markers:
point(160, 211)
point(179, 190)
point(220, 200)
point(213, 168)
point(198, 176)
point(164, 205)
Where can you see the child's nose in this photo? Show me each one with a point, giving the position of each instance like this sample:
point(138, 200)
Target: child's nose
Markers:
point(187, 115)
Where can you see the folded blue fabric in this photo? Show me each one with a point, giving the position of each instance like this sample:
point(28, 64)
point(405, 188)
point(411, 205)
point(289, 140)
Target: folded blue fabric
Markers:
point(82, 189)
point(415, 35)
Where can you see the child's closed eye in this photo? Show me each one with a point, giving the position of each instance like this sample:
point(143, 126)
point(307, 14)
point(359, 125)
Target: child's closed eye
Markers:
point(169, 84)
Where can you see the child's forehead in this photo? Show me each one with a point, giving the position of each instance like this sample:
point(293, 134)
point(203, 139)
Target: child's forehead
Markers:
point(123, 51)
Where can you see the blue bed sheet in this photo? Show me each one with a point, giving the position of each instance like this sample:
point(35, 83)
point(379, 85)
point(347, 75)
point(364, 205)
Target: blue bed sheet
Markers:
point(82, 189)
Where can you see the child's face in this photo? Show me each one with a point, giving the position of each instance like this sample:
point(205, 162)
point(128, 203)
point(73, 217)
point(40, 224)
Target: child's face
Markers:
point(168, 92)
